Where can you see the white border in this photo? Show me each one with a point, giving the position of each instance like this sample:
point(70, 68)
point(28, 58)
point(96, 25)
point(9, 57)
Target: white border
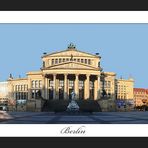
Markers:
point(74, 17)
point(92, 130)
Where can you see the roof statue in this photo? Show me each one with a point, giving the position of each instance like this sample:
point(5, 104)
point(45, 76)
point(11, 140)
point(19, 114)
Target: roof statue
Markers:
point(71, 58)
point(71, 46)
point(10, 76)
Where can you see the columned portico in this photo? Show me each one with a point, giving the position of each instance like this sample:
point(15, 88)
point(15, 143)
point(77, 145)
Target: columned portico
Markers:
point(63, 84)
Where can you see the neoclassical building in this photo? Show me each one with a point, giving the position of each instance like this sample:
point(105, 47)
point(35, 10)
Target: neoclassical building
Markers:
point(63, 72)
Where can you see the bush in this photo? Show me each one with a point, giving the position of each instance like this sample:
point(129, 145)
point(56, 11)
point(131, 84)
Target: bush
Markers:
point(58, 105)
point(89, 106)
point(61, 105)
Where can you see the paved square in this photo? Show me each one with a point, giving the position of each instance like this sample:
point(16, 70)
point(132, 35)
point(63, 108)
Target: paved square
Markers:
point(95, 118)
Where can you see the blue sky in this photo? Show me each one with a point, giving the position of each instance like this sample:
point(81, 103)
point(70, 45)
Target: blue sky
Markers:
point(123, 47)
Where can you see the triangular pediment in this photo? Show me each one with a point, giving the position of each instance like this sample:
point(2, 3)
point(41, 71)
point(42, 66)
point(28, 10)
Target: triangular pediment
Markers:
point(75, 53)
point(72, 65)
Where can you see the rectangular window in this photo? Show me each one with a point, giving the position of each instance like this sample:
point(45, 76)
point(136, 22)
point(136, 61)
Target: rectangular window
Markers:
point(22, 88)
point(81, 83)
point(67, 59)
point(61, 83)
point(78, 60)
point(71, 83)
point(56, 61)
point(36, 84)
point(18, 87)
point(60, 60)
point(52, 62)
point(63, 60)
point(40, 84)
point(33, 84)
point(89, 61)
point(85, 61)
point(82, 61)
point(50, 83)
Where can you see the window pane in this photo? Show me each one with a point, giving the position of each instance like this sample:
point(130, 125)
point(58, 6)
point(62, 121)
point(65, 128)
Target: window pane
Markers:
point(89, 62)
point(52, 61)
point(85, 61)
point(56, 61)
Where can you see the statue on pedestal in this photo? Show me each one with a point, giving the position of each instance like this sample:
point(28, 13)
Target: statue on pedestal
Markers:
point(73, 106)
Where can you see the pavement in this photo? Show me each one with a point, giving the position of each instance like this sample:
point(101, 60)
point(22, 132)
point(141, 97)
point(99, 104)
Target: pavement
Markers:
point(59, 118)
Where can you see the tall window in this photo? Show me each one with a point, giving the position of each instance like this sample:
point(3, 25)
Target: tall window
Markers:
point(36, 84)
point(89, 62)
point(50, 83)
point(63, 60)
point(60, 60)
point(71, 83)
point(81, 83)
point(61, 83)
point(82, 61)
point(52, 62)
point(85, 61)
point(56, 61)
point(40, 84)
point(33, 84)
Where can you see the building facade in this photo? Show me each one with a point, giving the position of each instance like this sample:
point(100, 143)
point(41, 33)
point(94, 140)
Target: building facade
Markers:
point(125, 88)
point(66, 71)
point(3, 94)
point(140, 96)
